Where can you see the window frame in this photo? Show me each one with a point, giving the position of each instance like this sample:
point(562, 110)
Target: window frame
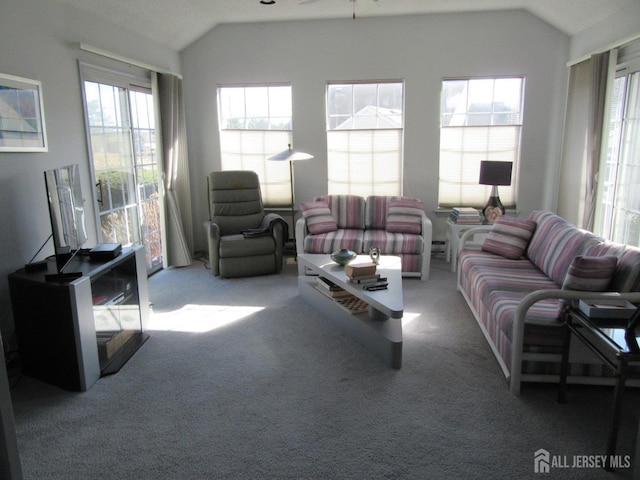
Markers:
point(249, 148)
point(612, 189)
point(462, 189)
point(355, 153)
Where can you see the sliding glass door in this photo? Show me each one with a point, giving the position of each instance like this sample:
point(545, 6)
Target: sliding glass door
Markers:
point(619, 214)
point(122, 138)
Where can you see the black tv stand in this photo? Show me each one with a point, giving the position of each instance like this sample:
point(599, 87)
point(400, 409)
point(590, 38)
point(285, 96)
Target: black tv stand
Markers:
point(76, 327)
point(62, 276)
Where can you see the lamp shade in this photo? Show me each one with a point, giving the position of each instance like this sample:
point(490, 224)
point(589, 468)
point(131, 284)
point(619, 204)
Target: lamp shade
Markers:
point(495, 173)
point(290, 155)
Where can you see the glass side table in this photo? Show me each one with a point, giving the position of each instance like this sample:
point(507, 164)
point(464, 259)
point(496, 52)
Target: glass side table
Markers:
point(615, 342)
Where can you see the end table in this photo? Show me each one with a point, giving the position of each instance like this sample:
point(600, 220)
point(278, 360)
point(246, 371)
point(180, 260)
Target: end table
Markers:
point(615, 342)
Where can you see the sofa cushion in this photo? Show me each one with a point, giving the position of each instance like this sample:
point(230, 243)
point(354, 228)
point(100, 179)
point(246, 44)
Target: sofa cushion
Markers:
point(392, 243)
point(331, 241)
point(542, 327)
point(592, 274)
point(482, 273)
point(405, 215)
point(627, 276)
point(318, 217)
point(555, 243)
point(348, 210)
point(509, 236)
point(375, 217)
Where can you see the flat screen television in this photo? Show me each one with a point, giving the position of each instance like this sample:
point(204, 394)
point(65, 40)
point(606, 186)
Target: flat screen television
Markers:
point(66, 210)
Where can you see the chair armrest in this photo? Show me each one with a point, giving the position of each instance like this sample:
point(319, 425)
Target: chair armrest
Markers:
point(213, 241)
point(427, 238)
point(279, 229)
point(301, 232)
point(467, 235)
point(534, 297)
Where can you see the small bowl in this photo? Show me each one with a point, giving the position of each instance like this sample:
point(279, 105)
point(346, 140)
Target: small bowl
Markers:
point(343, 256)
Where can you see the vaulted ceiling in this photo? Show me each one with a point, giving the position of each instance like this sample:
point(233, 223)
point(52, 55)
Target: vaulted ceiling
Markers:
point(178, 23)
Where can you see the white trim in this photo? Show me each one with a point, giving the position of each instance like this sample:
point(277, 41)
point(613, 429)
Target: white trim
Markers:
point(121, 58)
point(619, 43)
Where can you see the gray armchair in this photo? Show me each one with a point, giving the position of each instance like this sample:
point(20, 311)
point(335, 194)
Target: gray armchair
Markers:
point(243, 239)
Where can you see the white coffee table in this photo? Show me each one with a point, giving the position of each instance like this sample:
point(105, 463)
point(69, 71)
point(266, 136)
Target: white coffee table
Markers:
point(379, 329)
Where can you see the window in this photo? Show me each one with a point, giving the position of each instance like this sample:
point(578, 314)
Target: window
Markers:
point(480, 119)
point(255, 123)
point(365, 125)
point(618, 209)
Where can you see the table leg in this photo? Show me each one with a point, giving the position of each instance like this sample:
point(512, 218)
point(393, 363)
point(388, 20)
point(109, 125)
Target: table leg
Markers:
point(564, 366)
point(615, 417)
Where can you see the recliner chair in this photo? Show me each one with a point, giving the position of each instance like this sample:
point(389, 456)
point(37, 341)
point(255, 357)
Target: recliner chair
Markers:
point(243, 239)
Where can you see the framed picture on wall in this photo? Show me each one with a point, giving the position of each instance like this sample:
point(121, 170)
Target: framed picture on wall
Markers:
point(22, 127)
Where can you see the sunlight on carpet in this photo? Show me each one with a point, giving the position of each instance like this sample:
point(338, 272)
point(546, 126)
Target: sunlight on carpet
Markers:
point(407, 318)
point(199, 318)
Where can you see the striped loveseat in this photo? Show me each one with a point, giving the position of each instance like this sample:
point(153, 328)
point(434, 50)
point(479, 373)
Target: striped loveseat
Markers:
point(518, 280)
point(396, 225)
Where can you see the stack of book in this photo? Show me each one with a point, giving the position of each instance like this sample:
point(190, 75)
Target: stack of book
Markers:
point(330, 289)
point(465, 215)
point(344, 299)
point(365, 275)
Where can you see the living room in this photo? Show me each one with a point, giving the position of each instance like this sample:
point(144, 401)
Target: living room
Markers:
point(43, 37)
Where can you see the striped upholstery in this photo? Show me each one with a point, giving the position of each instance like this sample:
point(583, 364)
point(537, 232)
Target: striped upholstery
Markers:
point(494, 287)
point(332, 241)
point(376, 212)
point(393, 243)
point(318, 217)
point(362, 225)
point(404, 215)
point(627, 276)
point(554, 244)
point(348, 210)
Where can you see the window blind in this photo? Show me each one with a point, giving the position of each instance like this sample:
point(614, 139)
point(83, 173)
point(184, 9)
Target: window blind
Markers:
point(365, 162)
point(249, 150)
point(461, 151)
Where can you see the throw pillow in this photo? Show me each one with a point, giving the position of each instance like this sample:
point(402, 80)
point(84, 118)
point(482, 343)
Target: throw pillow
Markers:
point(509, 236)
point(591, 274)
point(318, 217)
point(404, 215)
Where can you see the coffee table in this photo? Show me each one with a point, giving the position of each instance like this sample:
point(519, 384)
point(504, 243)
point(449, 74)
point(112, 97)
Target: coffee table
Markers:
point(379, 329)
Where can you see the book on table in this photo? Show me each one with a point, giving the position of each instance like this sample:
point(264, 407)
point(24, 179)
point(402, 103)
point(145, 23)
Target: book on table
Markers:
point(333, 293)
point(376, 277)
point(329, 288)
point(465, 215)
point(359, 270)
point(381, 285)
point(328, 284)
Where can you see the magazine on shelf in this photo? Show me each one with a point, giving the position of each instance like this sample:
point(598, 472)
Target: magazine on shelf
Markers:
point(333, 293)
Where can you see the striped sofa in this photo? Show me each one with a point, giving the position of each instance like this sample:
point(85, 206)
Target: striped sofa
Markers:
point(396, 225)
point(518, 301)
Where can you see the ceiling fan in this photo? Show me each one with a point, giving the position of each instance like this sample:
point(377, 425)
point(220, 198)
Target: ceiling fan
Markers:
point(353, 4)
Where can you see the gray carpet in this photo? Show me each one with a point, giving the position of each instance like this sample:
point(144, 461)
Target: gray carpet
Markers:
point(242, 380)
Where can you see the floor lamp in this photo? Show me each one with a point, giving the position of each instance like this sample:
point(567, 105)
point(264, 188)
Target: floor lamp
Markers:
point(291, 156)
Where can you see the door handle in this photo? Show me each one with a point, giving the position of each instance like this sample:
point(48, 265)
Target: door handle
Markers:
point(99, 195)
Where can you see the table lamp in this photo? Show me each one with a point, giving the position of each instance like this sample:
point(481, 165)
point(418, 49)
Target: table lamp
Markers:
point(494, 173)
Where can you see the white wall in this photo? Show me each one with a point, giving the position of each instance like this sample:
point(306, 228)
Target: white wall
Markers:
point(39, 39)
point(622, 25)
point(421, 50)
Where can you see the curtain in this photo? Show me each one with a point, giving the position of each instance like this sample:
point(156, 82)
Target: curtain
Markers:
point(599, 76)
point(583, 140)
point(179, 231)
